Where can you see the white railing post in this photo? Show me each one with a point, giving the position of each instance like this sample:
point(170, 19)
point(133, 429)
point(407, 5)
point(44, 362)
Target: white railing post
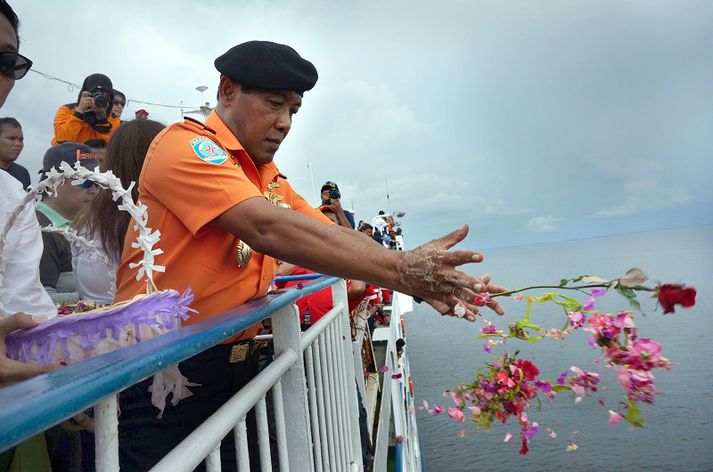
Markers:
point(339, 295)
point(287, 336)
point(106, 435)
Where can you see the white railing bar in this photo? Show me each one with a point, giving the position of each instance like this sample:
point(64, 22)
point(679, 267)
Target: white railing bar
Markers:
point(212, 462)
point(279, 413)
point(262, 337)
point(240, 433)
point(339, 390)
point(106, 435)
point(336, 391)
point(316, 329)
point(191, 451)
point(263, 436)
point(347, 383)
point(330, 423)
point(320, 405)
point(316, 440)
point(353, 373)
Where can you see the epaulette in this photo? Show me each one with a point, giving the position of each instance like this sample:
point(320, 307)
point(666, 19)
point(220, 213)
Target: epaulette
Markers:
point(202, 125)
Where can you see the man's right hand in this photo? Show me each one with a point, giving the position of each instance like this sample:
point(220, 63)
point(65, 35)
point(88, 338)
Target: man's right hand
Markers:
point(86, 103)
point(12, 371)
point(429, 271)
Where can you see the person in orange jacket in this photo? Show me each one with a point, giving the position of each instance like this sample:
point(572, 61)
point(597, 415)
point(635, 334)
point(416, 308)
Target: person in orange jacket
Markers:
point(90, 117)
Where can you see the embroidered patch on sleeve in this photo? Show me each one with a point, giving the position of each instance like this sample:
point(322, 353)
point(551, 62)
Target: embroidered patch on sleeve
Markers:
point(208, 151)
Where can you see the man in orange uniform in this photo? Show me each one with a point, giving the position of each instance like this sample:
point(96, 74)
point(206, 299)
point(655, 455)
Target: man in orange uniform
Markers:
point(90, 117)
point(225, 213)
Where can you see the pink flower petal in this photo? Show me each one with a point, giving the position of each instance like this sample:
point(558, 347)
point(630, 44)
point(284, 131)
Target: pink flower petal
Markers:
point(456, 414)
point(474, 409)
point(437, 410)
point(383, 368)
point(508, 437)
point(614, 417)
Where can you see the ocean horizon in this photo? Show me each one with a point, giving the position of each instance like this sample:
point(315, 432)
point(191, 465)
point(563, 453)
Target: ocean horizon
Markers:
point(444, 352)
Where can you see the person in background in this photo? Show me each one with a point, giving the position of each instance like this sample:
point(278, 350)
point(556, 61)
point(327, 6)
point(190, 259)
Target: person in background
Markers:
point(398, 239)
point(11, 143)
point(90, 116)
point(380, 227)
point(98, 148)
point(59, 210)
point(367, 229)
point(331, 196)
point(118, 105)
point(101, 221)
point(141, 114)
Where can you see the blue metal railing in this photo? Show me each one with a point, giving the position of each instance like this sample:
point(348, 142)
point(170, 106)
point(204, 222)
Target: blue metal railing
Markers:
point(35, 405)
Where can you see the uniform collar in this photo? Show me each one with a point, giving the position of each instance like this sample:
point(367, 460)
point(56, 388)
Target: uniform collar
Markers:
point(222, 132)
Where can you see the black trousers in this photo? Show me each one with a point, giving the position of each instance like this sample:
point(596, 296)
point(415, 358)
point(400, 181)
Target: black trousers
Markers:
point(144, 439)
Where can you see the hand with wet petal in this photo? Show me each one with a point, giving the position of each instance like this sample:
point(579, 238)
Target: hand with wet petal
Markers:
point(429, 271)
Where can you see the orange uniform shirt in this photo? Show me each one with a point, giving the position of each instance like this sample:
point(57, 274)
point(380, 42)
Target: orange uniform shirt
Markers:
point(70, 127)
point(192, 174)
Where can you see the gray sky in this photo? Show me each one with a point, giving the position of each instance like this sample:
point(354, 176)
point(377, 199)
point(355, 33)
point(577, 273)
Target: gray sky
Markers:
point(529, 120)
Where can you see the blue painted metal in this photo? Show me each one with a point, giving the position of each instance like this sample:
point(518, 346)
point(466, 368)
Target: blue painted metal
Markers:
point(290, 278)
point(32, 406)
point(398, 460)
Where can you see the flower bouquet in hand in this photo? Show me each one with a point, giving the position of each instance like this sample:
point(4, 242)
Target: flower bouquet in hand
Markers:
point(507, 388)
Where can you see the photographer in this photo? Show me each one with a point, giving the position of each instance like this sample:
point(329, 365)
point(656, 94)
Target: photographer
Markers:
point(90, 117)
point(331, 196)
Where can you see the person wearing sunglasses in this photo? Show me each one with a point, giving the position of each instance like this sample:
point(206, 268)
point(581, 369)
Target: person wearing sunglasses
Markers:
point(60, 210)
point(119, 104)
point(13, 65)
point(90, 117)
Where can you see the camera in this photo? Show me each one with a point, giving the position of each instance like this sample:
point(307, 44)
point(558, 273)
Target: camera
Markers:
point(334, 193)
point(101, 99)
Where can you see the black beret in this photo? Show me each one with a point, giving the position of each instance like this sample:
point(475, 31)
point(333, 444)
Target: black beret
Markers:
point(267, 65)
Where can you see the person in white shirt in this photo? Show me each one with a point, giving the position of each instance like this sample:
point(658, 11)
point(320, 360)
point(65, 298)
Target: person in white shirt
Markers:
point(20, 287)
point(25, 233)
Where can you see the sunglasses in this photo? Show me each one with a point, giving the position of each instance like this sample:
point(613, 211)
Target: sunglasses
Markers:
point(87, 184)
point(13, 65)
point(119, 102)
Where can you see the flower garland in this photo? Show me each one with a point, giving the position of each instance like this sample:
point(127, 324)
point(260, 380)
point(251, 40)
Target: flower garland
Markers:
point(507, 388)
point(146, 238)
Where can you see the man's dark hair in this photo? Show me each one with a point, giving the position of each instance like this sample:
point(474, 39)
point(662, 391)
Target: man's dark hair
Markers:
point(96, 143)
point(7, 11)
point(9, 122)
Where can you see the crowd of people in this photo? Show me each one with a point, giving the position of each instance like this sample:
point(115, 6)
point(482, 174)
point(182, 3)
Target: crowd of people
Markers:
point(229, 222)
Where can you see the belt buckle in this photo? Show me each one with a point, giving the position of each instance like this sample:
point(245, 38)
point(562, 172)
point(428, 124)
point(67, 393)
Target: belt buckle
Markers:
point(238, 353)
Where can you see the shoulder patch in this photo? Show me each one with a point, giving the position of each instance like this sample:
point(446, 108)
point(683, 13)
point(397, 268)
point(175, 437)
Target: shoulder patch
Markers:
point(208, 151)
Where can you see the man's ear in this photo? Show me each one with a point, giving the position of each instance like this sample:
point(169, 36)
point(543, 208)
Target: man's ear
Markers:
point(227, 89)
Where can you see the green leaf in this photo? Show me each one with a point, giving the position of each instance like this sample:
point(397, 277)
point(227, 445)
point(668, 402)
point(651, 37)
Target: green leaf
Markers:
point(633, 415)
point(630, 294)
point(563, 282)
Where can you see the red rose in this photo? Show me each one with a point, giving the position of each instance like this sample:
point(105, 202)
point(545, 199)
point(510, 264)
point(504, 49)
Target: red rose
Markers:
point(671, 294)
point(529, 371)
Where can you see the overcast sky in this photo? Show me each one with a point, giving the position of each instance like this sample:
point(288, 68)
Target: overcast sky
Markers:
point(531, 121)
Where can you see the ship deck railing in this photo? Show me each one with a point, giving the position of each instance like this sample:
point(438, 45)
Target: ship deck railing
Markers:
point(311, 381)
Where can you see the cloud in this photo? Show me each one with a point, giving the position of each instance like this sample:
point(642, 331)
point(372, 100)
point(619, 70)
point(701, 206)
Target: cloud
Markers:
point(542, 224)
point(645, 195)
point(646, 186)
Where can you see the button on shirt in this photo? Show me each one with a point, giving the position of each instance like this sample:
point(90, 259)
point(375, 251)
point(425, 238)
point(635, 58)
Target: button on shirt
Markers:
point(192, 174)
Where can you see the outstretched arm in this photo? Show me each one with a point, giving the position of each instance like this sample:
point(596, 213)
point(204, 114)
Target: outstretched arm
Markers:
point(429, 271)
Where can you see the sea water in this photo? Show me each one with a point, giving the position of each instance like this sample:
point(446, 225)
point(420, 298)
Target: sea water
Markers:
point(678, 435)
